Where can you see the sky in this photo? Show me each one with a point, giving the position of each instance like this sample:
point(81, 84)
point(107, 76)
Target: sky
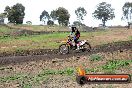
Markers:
point(33, 9)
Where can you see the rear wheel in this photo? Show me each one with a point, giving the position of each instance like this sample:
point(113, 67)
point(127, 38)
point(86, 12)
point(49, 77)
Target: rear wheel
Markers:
point(63, 49)
point(86, 47)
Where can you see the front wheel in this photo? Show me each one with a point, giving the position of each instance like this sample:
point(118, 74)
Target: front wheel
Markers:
point(86, 47)
point(63, 49)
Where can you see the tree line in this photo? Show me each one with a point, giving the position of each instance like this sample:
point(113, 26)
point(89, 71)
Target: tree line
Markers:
point(103, 12)
point(62, 16)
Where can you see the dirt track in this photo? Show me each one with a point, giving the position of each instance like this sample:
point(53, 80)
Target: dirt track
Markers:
point(51, 54)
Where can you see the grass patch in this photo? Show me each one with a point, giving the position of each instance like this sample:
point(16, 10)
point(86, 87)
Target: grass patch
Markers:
point(110, 67)
point(26, 81)
point(115, 64)
point(95, 57)
point(88, 70)
point(46, 37)
point(19, 50)
point(45, 41)
point(4, 68)
point(130, 37)
point(40, 28)
point(5, 30)
point(48, 41)
point(11, 78)
point(67, 71)
point(26, 85)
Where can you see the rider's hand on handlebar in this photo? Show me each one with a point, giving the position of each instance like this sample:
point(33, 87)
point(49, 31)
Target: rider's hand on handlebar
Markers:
point(68, 36)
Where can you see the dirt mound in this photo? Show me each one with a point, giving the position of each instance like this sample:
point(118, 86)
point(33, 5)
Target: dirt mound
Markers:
point(18, 31)
point(29, 52)
point(115, 46)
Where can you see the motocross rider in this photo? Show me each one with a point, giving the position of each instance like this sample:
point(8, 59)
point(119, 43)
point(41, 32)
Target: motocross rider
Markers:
point(75, 34)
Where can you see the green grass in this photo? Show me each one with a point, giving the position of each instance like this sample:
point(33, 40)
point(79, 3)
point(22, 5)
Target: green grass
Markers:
point(11, 78)
point(67, 71)
point(130, 37)
point(95, 57)
point(45, 41)
point(26, 80)
point(115, 64)
point(40, 28)
point(4, 68)
point(110, 66)
point(5, 30)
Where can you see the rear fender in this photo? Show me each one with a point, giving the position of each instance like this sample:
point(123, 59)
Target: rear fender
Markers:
point(83, 42)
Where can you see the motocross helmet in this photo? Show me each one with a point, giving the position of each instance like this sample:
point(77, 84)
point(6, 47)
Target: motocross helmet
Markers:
point(73, 28)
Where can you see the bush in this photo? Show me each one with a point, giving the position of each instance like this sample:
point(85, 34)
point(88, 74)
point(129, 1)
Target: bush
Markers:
point(50, 22)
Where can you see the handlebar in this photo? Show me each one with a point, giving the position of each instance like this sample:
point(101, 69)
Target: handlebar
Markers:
point(70, 36)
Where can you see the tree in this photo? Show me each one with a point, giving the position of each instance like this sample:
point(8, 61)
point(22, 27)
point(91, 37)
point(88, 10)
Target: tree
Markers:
point(7, 10)
point(15, 14)
point(50, 22)
point(104, 12)
point(77, 23)
point(127, 12)
point(62, 16)
point(44, 16)
point(53, 15)
point(80, 12)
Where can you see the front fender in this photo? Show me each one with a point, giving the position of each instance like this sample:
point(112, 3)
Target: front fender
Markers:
point(64, 42)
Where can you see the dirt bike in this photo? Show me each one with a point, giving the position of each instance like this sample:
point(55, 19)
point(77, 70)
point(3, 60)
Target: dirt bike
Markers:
point(67, 45)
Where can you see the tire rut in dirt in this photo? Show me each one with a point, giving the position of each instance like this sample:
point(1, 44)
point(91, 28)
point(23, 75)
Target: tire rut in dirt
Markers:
point(51, 54)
